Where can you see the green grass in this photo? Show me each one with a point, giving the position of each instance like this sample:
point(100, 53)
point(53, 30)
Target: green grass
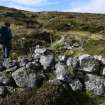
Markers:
point(95, 47)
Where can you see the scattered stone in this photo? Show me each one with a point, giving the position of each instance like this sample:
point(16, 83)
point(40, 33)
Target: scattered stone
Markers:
point(55, 82)
point(83, 57)
point(61, 70)
point(72, 62)
point(98, 57)
point(103, 61)
point(46, 61)
point(12, 69)
point(62, 58)
point(103, 72)
point(96, 85)
point(22, 61)
point(24, 78)
point(26, 73)
point(70, 43)
point(89, 64)
point(67, 46)
point(39, 51)
point(76, 85)
point(28, 65)
point(4, 79)
point(76, 44)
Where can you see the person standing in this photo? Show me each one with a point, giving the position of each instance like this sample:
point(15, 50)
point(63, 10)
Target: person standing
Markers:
point(6, 37)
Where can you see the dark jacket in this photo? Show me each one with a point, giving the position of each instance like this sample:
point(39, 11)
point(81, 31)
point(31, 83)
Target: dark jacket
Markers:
point(6, 34)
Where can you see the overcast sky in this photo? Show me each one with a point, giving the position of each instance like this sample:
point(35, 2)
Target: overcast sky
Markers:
point(92, 6)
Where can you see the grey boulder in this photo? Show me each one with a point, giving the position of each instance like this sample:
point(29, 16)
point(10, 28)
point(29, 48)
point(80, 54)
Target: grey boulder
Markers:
point(96, 85)
point(38, 52)
point(46, 60)
point(24, 78)
point(89, 64)
point(76, 85)
point(4, 79)
point(72, 62)
point(103, 71)
point(61, 71)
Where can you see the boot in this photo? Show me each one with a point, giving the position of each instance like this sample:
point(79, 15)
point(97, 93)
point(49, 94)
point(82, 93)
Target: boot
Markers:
point(4, 62)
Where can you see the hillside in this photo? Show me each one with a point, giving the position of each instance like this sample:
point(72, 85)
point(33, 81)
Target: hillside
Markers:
point(46, 28)
point(58, 58)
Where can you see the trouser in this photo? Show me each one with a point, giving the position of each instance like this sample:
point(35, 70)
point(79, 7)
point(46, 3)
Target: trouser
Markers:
point(6, 50)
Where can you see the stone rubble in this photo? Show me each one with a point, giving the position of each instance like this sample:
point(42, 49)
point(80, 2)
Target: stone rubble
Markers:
point(85, 72)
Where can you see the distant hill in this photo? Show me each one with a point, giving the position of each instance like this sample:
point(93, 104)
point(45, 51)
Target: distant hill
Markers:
point(55, 20)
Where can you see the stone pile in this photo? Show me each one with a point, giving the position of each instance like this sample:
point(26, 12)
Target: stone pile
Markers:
point(81, 73)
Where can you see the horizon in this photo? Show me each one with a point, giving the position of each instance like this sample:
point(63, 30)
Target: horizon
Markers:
point(79, 6)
